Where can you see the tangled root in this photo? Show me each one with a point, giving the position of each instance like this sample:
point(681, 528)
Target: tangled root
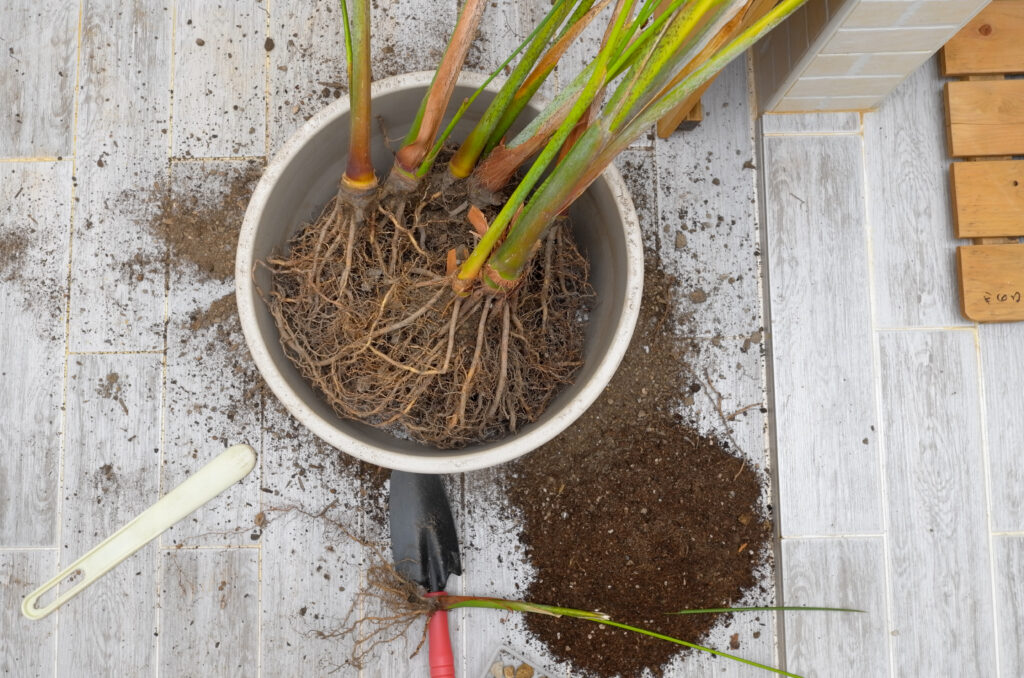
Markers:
point(390, 605)
point(367, 313)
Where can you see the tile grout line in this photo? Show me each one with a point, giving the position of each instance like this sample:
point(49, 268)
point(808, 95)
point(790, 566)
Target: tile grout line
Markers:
point(767, 384)
point(210, 547)
point(266, 88)
point(158, 575)
point(182, 160)
point(927, 328)
point(835, 537)
point(987, 478)
point(41, 158)
point(876, 376)
point(129, 352)
point(810, 133)
point(67, 331)
point(259, 553)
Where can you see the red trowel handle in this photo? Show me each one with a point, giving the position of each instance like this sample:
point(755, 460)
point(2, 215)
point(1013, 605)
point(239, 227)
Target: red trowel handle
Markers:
point(442, 664)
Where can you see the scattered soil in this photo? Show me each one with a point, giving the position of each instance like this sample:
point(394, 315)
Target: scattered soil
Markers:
point(204, 232)
point(200, 225)
point(634, 513)
point(111, 388)
point(12, 248)
point(221, 313)
point(27, 264)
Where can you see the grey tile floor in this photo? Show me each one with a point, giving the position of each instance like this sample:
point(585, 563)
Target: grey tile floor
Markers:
point(896, 426)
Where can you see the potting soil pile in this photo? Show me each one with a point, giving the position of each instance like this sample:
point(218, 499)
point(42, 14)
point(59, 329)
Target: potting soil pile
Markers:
point(633, 513)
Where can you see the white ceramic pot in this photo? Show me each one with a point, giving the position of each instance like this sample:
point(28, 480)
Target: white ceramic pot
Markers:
point(304, 175)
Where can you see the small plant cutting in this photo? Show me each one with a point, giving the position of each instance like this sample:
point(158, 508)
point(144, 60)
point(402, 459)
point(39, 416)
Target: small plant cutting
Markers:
point(446, 301)
point(404, 604)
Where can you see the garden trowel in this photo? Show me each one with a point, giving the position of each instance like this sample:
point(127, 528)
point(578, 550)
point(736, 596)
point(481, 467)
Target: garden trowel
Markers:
point(425, 548)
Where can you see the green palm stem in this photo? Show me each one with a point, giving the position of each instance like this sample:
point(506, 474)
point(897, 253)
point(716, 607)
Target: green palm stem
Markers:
point(695, 646)
point(599, 146)
point(359, 176)
point(675, 95)
point(543, 69)
point(473, 265)
point(723, 36)
point(435, 102)
point(557, 192)
point(457, 602)
point(348, 37)
point(465, 158)
point(689, 29)
point(641, 40)
point(428, 161)
point(494, 171)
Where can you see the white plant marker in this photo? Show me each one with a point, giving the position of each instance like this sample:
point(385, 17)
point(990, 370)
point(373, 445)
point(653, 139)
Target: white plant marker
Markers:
point(225, 470)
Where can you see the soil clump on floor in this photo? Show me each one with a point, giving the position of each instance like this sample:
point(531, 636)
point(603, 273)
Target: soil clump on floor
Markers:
point(198, 214)
point(634, 513)
point(204, 232)
point(12, 248)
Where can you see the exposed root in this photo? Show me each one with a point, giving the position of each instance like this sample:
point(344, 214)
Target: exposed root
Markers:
point(366, 311)
point(391, 605)
point(386, 606)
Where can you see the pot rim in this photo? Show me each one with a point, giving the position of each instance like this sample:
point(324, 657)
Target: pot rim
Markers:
point(439, 461)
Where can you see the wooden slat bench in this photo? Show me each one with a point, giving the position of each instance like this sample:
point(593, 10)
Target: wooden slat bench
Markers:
point(985, 128)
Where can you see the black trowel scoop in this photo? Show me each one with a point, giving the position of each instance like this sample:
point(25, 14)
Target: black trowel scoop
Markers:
point(425, 548)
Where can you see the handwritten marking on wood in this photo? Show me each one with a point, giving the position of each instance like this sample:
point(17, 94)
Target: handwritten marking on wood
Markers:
point(991, 282)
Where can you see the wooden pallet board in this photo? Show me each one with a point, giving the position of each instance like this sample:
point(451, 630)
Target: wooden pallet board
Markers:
point(991, 282)
point(985, 118)
point(988, 198)
point(991, 42)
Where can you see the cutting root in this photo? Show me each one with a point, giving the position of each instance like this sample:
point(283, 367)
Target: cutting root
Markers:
point(384, 610)
point(368, 311)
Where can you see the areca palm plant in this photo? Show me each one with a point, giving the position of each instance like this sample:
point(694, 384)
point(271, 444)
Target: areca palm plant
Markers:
point(446, 300)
